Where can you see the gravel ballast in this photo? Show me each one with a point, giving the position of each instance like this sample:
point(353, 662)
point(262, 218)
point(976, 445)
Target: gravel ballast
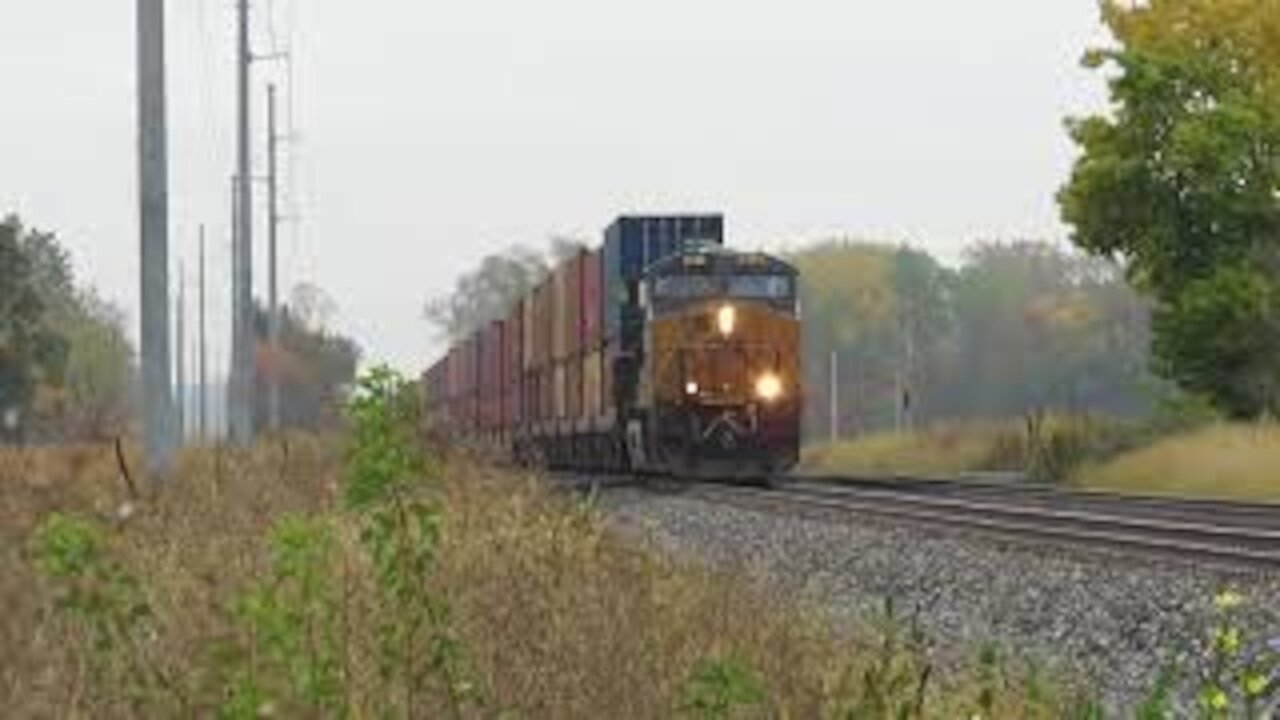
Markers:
point(1115, 620)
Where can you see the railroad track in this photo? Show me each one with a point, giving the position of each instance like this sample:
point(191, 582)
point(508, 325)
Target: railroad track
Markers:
point(1202, 531)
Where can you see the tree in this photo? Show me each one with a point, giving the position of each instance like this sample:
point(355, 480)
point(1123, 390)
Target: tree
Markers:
point(94, 401)
point(315, 366)
point(490, 291)
point(30, 352)
point(1038, 328)
point(1181, 182)
point(1014, 328)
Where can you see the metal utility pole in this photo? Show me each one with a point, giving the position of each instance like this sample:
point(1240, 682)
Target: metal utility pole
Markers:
point(180, 395)
point(153, 166)
point(202, 361)
point(232, 387)
point(242, 390)
point(273, 227)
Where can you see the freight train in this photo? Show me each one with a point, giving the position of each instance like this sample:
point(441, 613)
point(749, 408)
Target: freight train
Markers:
point(661, 352)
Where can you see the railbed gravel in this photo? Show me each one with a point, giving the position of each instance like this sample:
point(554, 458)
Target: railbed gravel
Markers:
point(1111, 620)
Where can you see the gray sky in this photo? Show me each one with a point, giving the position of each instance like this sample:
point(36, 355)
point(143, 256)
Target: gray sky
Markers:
point(433, 133)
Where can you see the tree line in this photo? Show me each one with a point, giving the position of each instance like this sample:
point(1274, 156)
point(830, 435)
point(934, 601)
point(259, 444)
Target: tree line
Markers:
point(68, 369)
point(66, 363)
point(894, 337)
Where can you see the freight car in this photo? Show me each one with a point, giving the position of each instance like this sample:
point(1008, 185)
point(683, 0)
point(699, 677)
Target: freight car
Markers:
point(661, 352)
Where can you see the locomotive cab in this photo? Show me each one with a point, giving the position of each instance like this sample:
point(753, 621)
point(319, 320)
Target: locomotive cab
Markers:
point(720, 387)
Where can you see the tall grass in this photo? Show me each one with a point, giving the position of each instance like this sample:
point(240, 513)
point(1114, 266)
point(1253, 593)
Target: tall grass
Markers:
point(1219, 461)
point(1047, 448)
point(548, 614)
point(283, 583)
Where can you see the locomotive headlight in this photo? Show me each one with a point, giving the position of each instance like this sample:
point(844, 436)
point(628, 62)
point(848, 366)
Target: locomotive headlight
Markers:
point(769, 387)
point(727, 320)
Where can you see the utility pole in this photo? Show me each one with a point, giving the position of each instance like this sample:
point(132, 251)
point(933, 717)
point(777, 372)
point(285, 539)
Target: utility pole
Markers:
point(232, 388)
point(273, 227)
point(153, 167)
point(242, 385)
point(180, 395)
point(202, 404)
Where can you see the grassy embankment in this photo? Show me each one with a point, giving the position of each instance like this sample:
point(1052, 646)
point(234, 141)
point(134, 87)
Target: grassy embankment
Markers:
point(1215, 461)
point(534, 609)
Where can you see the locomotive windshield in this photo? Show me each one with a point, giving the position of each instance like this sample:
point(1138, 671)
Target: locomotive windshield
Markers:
point(761, 287)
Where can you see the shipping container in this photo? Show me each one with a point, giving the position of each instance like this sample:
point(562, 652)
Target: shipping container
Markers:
point(573, 388)
point(572, 327)
point(527, 324)
point(489, 385)
point(632, 244)
point(592, 301)
point(513, 367)
point(559, 402)
point(560, 309)
point(546, 394)
point(608, 402)
point(592, 390)
point(542, 314)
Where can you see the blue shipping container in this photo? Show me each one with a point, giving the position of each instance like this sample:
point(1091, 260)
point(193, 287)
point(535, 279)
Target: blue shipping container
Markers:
point(631, 244)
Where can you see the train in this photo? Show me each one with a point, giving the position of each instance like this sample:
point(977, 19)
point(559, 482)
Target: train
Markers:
point(660, 352)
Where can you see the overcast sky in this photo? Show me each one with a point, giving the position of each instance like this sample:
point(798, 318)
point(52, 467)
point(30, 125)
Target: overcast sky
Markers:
point(430, 134)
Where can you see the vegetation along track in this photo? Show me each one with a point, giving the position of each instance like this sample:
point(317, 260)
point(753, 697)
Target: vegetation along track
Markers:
point(1204, 531)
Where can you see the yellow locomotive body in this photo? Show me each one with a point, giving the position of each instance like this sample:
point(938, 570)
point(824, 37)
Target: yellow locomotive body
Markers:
point(720, 386)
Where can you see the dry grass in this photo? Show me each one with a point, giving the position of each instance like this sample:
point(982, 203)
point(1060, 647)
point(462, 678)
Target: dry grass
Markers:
point(942, 450)
point(556, 616)
point(1221, 461)
point(196, 544)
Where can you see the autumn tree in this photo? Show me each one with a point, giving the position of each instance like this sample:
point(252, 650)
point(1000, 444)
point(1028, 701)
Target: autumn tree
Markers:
point(1015, 327)
point(1180, 180)
point(315, 365)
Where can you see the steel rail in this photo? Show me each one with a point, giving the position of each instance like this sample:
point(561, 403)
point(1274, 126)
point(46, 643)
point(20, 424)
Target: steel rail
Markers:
point(1256, 547)
point(1215, 512)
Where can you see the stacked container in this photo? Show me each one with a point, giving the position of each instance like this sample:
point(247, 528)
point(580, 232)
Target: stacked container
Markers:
point(512, 369)
point(550, 366)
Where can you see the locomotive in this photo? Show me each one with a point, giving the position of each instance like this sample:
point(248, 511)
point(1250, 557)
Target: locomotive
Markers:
point(662, 352)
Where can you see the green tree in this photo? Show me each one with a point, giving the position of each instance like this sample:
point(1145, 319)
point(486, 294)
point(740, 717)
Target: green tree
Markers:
point(31, 353)
point(94, 401)
point(1179, 180)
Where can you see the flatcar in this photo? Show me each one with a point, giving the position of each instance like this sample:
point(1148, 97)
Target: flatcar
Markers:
point(662, 352)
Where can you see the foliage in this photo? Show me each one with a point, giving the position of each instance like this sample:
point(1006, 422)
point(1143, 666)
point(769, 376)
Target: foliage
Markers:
point(401, 530)
point(1179, 181)
point(1017, 328)
point(896, 682)
point(487, 293)
point(31, 352)
point(1216, 461)
point(292, 652)
point(490, 291)
point(103, 609)
point(719, 687)
point(1240, 681)
point(65, 359)
point(95, 400)
point(315, 366)
point(537, 587)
